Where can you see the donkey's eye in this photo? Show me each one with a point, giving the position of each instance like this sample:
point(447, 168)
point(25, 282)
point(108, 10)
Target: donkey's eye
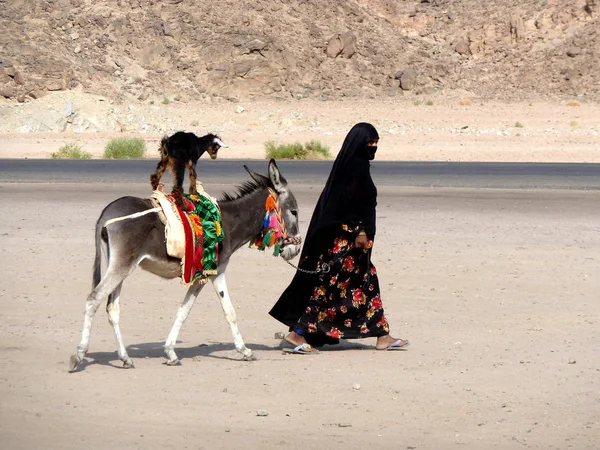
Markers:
point(294, 212)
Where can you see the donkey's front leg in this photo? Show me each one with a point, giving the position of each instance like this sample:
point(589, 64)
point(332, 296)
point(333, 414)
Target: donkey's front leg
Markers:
point(182, 314)
point(220, 286)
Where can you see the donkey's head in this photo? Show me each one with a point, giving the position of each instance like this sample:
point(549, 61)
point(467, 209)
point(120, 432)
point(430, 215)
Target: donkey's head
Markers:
point(289, 208)
point(214, 144)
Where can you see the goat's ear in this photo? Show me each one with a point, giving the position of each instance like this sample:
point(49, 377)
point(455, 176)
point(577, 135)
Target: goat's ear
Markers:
point(278, 181)
point(256, 176)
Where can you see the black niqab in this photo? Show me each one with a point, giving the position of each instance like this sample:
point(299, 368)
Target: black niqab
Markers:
point(349, 197)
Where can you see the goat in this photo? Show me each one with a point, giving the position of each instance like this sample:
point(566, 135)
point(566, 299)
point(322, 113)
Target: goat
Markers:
point(180, 151)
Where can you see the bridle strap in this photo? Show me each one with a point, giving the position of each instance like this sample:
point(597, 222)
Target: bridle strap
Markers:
point(281, 221)
point(278, 213)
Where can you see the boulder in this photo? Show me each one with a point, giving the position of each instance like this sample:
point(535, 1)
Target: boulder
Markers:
point(8, 91)
point(408, 79)
point(341, 45)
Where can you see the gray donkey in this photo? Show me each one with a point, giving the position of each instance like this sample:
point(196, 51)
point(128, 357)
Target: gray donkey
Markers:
point(137, 238)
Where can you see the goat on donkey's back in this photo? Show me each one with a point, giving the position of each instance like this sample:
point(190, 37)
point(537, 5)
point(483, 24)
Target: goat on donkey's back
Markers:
point(180, 151)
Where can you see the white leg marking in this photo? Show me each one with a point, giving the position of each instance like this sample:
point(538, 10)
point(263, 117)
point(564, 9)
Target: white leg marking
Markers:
point(113, 310)
point(220, 285)
point(108, 284)
point(182, 314)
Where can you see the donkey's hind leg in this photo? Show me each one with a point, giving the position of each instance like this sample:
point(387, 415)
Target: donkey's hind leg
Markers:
point(109, 283)
point(220, 285)
point(182, 314)
point(113, 309)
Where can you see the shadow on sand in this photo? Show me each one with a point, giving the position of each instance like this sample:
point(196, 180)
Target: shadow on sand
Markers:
point(218, 350)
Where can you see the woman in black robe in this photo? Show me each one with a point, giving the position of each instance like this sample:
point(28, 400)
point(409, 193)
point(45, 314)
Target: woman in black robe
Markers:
point(344, 302)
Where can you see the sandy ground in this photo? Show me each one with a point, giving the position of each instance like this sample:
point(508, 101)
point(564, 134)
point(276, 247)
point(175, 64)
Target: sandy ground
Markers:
point(497, 290)
point(445, 130)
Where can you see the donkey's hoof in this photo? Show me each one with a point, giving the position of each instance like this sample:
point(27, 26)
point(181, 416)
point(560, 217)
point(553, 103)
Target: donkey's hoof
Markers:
point(128, 365)
point(250, 357)
point(173, 362)
point(73, 363)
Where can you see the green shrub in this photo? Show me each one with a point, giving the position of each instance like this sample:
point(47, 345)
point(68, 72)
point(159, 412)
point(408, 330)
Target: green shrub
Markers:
point(518, 125)
point(71, 151)
point(310, 150)
point(417, 102)
point(429, 103)
point(125, 148)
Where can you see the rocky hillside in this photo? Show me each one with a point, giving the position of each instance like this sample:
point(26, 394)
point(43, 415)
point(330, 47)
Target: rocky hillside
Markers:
point(179, 50)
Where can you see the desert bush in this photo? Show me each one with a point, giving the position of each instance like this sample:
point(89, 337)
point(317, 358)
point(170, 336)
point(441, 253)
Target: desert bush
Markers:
point(417, 102)
point(310, 150)
point(71, 151)
point(125, 148)
point(429, 103)
point(573, 103)
point(519, 125)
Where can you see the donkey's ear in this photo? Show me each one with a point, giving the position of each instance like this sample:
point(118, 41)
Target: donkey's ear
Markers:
point(279, 183)
point(261, 179)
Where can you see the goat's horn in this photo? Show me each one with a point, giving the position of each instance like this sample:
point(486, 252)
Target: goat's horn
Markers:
point(220, 143)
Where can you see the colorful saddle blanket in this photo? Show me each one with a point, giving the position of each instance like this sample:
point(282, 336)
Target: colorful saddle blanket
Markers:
point(194, 236)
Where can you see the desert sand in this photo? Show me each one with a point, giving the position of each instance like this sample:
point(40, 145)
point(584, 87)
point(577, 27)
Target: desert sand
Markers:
point(496, 289)
point(447, 129)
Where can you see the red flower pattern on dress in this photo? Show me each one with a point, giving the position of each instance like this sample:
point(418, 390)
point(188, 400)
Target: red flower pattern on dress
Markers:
point(333, 280)
point(357, 297)
point(376, 302)
point(334, 333)
point(348, 323)
point(348, 264)
point(383, 322)
point(308, 309)
point(330, 313)
point(321, 316)
point(315, 294)
point(312, 327)
point(370, 313)
point(339, 244)
point(364, 329)
point(343, 309)
point(373, 270)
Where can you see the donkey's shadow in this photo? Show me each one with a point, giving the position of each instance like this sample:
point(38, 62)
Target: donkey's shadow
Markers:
point(218, 350)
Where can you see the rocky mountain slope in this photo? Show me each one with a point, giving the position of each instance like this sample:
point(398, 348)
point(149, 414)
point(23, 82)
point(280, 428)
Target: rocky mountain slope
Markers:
point(182, 50)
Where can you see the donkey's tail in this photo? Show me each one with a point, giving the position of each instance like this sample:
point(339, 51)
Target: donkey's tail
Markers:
point(164, 147)
point(97, 274)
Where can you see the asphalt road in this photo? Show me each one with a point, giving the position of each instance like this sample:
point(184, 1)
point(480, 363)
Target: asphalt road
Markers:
point(575, 176)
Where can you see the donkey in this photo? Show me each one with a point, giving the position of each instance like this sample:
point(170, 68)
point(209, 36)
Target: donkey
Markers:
point(180, 151)
point(137, 238)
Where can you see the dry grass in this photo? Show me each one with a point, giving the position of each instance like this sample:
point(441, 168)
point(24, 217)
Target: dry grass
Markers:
point(465, 102)
point(573, 103)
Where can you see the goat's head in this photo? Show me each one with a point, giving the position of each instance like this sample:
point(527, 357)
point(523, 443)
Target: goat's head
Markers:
point(214, 144)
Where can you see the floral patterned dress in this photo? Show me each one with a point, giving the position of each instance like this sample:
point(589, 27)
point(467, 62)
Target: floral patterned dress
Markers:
point(346, 302)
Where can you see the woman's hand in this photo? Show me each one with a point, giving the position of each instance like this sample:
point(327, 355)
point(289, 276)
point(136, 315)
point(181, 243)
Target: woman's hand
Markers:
point(361, 240)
